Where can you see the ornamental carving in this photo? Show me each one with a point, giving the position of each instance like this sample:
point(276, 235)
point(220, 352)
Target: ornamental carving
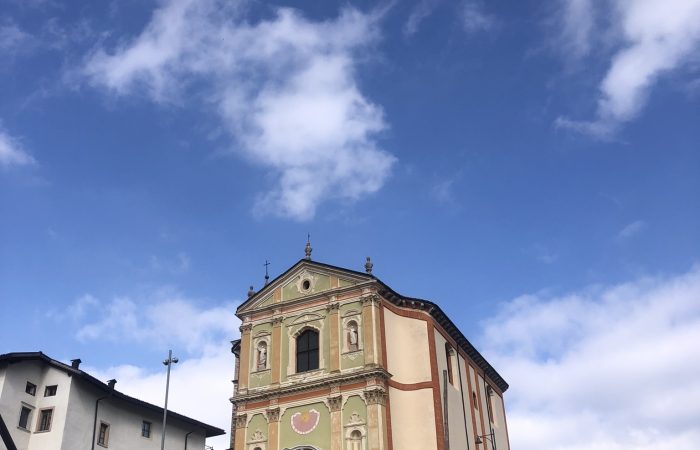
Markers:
point(371, 299)
point(258, 436)
point(335, 403)
point(277, 321)
point(332, 307)
point(273, 414)
point(246, 328)
point(376, 396)
point(241, 420)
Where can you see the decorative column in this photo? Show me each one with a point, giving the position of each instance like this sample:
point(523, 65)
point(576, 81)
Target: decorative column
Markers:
point(276, 350)
point(334, 323)
point(241, 426)
point(273, 427)
point(335, 404)
point(375, 398)
point(245, 358)
point(370, 328)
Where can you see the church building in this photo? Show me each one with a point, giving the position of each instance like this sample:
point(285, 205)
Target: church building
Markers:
point(334, 359)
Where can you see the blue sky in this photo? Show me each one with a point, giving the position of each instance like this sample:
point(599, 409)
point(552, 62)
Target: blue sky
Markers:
point(486, 155)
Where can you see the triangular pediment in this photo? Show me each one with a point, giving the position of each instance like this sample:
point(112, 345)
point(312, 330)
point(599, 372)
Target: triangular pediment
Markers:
point(304, 279)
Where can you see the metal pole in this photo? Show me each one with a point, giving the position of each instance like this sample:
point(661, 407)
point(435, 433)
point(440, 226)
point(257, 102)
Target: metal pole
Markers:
point(168, 362)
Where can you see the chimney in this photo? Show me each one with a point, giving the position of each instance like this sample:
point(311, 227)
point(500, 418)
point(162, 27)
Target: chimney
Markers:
point(111, 383)
point(75, 363)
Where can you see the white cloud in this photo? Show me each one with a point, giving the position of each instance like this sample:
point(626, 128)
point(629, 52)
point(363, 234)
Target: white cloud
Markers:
point(200, 386)
point(420, 12)
point(284, 88)
point(475, 19)
point(607, 368)
point(157, 318)
point(12, 153)
point(632, 229)
point(577, 17)
point(655, 38)
point(12, 38)
point(200, 383)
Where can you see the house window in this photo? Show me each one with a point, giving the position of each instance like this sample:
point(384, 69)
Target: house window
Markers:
point(476, 405)
point(24, 417)
point(146, 429)
point(307, 351)
point(50, 391)
point(449, 355)
point(45, 416)
point(103, 436)
point(30, 389)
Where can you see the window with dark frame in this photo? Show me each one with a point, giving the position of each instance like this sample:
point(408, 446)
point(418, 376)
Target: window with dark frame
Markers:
point(103, 436)
point(476, 405)
point(24, 417)
point(50, 391)
point(45, 416)
point(146, 429)
point(30, 389)
point(307, 351)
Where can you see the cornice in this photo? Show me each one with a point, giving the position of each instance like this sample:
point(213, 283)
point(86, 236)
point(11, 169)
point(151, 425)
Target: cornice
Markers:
point(373, 373)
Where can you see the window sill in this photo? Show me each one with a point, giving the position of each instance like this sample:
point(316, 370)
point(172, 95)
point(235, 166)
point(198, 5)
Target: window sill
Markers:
point(26, 430)
point(103, 445)
point(260, 371)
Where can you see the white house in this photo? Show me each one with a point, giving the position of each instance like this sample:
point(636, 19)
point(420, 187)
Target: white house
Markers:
point(48, 405)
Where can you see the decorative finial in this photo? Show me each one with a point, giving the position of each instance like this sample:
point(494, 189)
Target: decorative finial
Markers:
point(308, 248)
point(251, 292)
point(267, 276)
point(368, 266)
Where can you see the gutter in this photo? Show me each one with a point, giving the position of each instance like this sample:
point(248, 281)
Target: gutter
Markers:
point(111, 384)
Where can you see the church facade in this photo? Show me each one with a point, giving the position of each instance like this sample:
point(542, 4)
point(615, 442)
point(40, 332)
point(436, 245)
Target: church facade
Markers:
point(334, 359)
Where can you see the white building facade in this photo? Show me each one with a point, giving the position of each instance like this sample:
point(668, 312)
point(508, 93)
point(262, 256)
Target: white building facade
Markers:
point(49, 405)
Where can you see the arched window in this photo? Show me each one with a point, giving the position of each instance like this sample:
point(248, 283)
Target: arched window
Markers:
point(307, 351)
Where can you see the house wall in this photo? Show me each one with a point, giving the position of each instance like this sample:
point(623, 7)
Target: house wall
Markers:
point(13, 396)
point(73, 415)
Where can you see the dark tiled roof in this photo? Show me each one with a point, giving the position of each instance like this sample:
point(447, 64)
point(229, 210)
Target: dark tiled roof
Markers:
point(9, 358)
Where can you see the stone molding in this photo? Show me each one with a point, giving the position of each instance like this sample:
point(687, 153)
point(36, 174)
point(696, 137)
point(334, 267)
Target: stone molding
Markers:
point(375, 396)
point(335, 403)
point(273, 414)
point(241, 420)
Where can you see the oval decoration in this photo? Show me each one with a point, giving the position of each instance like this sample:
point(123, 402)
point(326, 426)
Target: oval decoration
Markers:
point(305, 422)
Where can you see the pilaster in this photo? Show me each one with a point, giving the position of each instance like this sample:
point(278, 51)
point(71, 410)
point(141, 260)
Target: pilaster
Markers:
point(276, 349)
point(245, 357)
point(335, 404)
point(334, 323)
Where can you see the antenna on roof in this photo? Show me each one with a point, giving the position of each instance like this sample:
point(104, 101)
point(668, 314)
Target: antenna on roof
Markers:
point(267, 276)
point(307, 249)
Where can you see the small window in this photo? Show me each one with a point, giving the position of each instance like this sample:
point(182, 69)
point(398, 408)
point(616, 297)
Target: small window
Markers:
point(307, 351)
point(50, 391)
point(45, 416)
point(24, 417)
point(146, 429)
point(30, 389)
point(103, 436)
point(476, 405)
point(306, 285)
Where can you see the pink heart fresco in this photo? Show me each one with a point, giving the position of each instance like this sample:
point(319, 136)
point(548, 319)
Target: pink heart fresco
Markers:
point(305, 422)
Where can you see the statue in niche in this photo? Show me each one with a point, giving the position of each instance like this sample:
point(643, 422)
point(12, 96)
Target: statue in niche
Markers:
point(352, 337)
point(262, 357)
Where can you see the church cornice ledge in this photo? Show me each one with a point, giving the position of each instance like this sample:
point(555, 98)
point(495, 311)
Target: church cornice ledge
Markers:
point(284, 304)
point(375, 372)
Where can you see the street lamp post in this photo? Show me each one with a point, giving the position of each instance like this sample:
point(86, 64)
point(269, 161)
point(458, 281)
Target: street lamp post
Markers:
point(168, 362)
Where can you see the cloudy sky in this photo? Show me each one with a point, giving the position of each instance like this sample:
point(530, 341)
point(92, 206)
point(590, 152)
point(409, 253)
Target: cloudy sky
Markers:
point(533, 167)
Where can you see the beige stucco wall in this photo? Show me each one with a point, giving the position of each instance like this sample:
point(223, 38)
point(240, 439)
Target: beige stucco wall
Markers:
point(408, 354)
point(457, 432)
point(412, 419)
